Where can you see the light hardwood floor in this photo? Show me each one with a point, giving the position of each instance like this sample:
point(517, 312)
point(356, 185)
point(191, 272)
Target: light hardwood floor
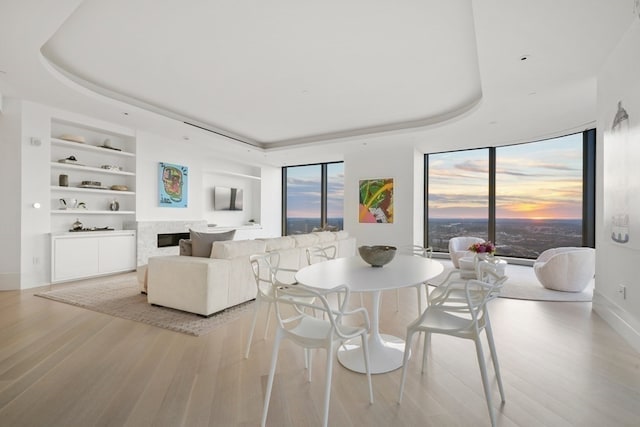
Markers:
point(66, 366)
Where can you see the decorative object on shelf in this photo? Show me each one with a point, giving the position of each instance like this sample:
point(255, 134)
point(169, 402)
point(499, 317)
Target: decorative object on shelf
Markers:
point(82, 205)
point(120, 188)
point(114, 205)
point(68, 203)
point(71, 160)
point(63, 180)
point(92, 229)
point(173, 185)
point(93, 184)
point(378, 255)
point(73, 138)
point(107, 144)
point(376, 200)
point(111, 167)
point(76, 225)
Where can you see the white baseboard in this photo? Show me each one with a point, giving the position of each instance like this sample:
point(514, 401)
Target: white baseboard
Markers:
point(620, 320)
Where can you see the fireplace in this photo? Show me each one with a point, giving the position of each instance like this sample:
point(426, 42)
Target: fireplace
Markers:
point(166, 240)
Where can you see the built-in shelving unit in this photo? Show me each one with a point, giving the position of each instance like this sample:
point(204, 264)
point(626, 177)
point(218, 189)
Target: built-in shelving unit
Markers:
point(102, 157)
point(103, 172)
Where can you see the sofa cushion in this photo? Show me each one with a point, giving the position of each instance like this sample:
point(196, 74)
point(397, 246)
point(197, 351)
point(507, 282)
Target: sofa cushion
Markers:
point(235, 248)
point(305, 240)
point(201, 242)
point(279, 243)
point(186, 249)
point(325, 236)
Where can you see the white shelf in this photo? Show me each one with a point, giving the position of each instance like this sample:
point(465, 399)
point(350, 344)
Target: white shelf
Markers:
point(68, 166)
point(89, 147)
point(89, 212)
point(90, 190)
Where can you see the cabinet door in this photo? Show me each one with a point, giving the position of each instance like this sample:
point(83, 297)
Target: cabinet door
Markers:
point(117, 253)
point(75, 258)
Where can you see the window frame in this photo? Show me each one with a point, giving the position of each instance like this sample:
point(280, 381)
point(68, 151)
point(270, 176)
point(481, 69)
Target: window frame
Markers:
point(588, 187)
point(324, 186)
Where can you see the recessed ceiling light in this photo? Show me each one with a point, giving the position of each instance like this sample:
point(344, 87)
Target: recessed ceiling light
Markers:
point(186, 138)
point(524, 57)
point(533, 93)
point(125, 113)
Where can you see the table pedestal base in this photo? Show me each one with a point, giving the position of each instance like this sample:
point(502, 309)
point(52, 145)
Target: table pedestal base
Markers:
point(385, 354)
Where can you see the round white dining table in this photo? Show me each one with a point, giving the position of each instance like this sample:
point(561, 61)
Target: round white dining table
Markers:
point(385, 351)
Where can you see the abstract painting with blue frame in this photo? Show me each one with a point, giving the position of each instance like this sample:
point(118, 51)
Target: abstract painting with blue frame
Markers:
point(173, 185)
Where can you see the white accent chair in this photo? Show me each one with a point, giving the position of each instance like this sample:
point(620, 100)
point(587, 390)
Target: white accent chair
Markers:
point(312, 332)
point(268, 275)
point(459, 248)
point(567, 269)
point(461, 311)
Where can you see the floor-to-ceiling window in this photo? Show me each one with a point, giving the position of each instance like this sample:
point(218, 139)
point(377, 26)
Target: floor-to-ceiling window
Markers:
point(458, 196)
point(312, 197)
point(526, 198)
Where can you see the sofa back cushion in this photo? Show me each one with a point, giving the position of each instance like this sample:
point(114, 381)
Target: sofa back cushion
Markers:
point(305, 240)
point(201, 242)
point(325, 236)
point(279, 243)
point(236, 248)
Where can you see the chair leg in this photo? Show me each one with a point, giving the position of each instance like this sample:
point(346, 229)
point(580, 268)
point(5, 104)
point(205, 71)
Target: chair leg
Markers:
point(367, 364)
point(405, 360)
point(266, 325)
point(419, 300)
point(494, 355)
point(253, 327)
point(485, 378)
point(272, 372)
point(425, 349)
point(327, 388)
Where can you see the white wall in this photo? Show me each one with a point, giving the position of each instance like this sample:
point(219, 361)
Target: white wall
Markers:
point(399, 163)
point(10, 161)
point(617, 263)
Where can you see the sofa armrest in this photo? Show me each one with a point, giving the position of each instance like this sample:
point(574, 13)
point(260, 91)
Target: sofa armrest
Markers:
point(193, 284)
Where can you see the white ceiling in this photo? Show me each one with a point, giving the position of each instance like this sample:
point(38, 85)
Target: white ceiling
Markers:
point(285, 75)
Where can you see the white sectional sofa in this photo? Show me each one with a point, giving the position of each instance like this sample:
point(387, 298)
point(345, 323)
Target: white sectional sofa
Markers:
point(207, 285)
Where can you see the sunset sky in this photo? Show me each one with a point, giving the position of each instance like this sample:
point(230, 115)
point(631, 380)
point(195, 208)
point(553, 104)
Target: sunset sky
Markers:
point(535, 181)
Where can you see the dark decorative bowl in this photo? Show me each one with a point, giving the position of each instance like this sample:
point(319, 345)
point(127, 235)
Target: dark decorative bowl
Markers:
point(378, 255)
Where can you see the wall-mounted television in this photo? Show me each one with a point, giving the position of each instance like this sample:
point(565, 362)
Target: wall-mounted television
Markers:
point(227, 199)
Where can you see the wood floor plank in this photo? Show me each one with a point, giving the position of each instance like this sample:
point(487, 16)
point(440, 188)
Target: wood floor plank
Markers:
point(60, 365)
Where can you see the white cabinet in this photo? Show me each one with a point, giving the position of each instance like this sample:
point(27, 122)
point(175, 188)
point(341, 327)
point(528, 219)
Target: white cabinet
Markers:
point(103, 172)
point(85, 254)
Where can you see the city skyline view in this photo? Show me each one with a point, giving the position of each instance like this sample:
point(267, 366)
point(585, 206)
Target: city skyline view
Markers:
point(540, 180)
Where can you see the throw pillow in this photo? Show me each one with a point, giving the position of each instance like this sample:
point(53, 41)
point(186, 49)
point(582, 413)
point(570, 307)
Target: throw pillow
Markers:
point(201, 242)
point(185, 247)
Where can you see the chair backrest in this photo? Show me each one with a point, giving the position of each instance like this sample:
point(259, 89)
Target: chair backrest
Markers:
point(264, 267)
point(416, 250)
point(291, 302)
point(477, 293)
point(317, 254)
point(462, 243)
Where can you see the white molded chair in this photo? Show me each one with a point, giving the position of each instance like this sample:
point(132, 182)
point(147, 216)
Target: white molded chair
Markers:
point(568, 269)
point(459, 248)
point(267, 274)
point(415, 250)
point(321, 253)
point(461, 311)
point(312, 332)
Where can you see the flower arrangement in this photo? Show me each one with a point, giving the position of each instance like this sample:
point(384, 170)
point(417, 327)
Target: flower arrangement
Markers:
point(483, 248)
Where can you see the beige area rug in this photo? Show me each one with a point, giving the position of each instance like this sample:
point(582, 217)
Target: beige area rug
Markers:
point(522, 283)
point(123, 299)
